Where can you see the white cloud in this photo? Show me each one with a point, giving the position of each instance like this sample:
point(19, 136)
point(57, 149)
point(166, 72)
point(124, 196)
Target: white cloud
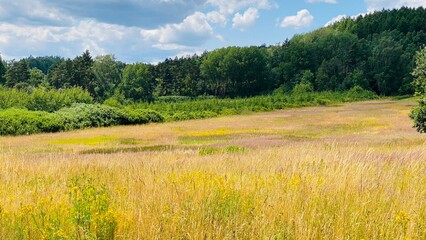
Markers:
point(32, 11)
point(374, 5)
point(217, 18)
point(303, 19)
point(335, 19)
point(324, 1)
point(245, 20)
point(229, 7)
point(68, 41)
point(194, 30)
point(133, 30)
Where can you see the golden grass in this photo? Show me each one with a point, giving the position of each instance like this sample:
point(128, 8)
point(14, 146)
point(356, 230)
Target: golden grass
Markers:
point(353, 171)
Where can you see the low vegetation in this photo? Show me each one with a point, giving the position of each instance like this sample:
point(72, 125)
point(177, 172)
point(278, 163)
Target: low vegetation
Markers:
point(82, 115)
point(347, 171)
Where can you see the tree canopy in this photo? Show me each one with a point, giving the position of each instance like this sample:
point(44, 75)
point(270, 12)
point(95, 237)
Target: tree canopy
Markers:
point(374, 51)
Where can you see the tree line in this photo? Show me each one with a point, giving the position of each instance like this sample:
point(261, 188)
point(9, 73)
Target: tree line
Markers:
point(375, 51)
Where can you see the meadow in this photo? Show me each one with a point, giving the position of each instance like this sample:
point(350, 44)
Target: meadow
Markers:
point(343, 171)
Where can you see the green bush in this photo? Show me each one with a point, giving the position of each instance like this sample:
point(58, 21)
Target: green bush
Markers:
point(359, 93)
point(53, 100)
point(141, 116)
point(82, 115)
point(21, 121)
point(40, 99)
point(418, 115)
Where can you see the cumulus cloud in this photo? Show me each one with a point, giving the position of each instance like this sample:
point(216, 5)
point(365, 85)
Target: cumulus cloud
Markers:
point(33, 12)
point(194, 30)
point(217, 18)
point(303, 18)
point(245, 20)
point(324, 1)
point(131, 29)
point(68, 41)
point(335, 19)
point(231, 6)
point(374, 5)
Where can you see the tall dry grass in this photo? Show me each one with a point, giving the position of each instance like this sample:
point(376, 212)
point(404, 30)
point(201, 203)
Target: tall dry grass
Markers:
point(355, 171)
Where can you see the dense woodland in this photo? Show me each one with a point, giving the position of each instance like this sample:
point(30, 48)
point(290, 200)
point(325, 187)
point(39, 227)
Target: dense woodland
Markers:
point(375, 52)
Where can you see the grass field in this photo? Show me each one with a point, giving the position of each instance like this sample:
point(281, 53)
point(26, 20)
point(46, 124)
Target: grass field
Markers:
point(351, 171)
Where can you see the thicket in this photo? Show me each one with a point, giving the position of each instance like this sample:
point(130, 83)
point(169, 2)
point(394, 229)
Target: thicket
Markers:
point(80, 115)
point(205, 108)
point(41, 99)
point(21, 121)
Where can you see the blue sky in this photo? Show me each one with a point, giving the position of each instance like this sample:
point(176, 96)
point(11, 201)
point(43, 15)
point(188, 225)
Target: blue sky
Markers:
point(152, 30)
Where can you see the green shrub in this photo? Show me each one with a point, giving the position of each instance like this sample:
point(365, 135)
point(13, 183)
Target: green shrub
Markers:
point(141, 116)
point(82, 115)
point(53, 100)
point(21, 121)
point(359, 93)
point(40, 99)
point(418, 115)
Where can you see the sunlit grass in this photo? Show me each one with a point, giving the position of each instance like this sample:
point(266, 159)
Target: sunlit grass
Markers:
point(355, 171)
point(85, 141)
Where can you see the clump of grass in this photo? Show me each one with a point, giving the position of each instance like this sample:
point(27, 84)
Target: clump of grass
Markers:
point(228, 149)
point(91, 214)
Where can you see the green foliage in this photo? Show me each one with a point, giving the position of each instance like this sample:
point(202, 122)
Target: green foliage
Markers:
point(61, 76)
point(81, 115)
point(36, 77)
point(92, 214)
point(137, 82)
point(358, 93)
point(172, 99)
point(303, 88)
point(52, 100)
point(20, 122)
point(418, 115)
point(2, 71)
point(141, 116)
point(195, 109)
point(17, 73)
point(419, 72)
point(107, 71)
point(41, 99)
point(44, 64)
point(236, 71)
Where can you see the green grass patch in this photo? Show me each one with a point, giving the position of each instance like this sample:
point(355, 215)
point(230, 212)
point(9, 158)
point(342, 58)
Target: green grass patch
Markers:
point(215, 150)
